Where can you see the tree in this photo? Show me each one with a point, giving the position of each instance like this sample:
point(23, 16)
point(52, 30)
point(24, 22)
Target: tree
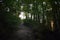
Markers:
point(9, 19)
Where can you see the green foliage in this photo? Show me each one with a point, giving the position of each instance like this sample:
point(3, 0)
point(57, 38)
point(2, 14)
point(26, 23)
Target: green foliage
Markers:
point(9, 15)
point(11, 21)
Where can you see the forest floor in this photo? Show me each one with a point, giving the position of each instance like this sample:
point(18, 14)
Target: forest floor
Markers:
point(24, 33)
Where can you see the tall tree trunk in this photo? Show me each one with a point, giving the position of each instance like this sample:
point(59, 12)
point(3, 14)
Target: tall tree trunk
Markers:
point(55, 10)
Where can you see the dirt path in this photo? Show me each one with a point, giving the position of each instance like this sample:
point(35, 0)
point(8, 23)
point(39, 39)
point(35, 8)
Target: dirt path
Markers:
point(24, 33)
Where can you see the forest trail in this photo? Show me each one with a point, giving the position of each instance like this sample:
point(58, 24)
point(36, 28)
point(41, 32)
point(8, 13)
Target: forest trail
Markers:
point(24, 33)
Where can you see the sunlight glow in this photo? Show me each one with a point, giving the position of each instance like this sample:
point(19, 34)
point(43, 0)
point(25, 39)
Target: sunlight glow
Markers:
point(29, 15)
point(44, 3)
point(22, 7)
point(22, 15)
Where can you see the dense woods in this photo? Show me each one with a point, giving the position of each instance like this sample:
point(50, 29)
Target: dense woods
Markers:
point(40, 17)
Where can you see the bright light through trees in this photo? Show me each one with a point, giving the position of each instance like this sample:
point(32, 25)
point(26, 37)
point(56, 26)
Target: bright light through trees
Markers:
point(22, 15)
